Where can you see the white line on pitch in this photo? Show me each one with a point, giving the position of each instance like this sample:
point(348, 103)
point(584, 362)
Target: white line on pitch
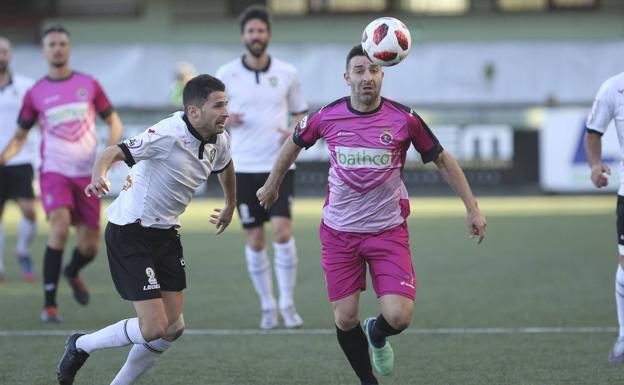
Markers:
point(246, 332)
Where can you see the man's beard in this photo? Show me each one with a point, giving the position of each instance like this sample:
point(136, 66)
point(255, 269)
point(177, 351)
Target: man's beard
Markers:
point(58, 64)
point(4, 67)
point(256, 52)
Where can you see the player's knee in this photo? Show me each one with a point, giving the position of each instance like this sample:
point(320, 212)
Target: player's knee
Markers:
point(346, 320)
point(256, 244)
point(175, 330)
point(400, 320)
point(282, 236)
point(154, 330)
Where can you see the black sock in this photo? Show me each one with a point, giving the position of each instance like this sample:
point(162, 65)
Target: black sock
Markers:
point(51, 272)
point(77, 262)
point(355, 347)
point(381, 330)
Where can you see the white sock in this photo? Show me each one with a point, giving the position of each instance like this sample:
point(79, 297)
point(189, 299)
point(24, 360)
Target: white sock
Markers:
point(124, 332)
point(286, 271)
point(619, 297)
point(259, 269)
point(26, 234)
point(1, 249)
point(140, 359)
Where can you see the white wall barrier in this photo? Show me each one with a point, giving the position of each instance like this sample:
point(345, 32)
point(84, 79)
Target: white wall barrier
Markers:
point(563, 162)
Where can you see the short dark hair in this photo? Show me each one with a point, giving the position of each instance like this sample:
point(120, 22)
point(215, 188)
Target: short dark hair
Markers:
point(198, 89)
point(54, 28)
point(255, 11)
point(357, 50)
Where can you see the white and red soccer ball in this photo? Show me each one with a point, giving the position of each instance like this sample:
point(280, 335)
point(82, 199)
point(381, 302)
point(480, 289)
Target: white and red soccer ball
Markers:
point(386, 41)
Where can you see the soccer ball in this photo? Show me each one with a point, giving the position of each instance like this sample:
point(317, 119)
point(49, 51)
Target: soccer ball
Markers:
point(386, 41)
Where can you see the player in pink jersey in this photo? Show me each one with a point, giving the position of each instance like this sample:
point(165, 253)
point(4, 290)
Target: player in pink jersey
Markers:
point(366, 206)
point(65, 104)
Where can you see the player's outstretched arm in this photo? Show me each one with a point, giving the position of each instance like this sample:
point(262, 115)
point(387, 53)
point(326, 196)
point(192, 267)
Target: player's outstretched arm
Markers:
point(99, 182)
point(114, 128)
point(599, 171)
point(14, 146)
point(454, 176)
point(222, 217)
point(267, 194)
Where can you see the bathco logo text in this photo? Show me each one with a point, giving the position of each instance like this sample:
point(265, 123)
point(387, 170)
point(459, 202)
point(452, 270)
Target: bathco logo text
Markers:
point(360, 157)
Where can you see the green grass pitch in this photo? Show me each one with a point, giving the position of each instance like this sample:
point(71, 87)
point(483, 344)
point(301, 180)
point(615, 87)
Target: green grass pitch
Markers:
point(547, 262)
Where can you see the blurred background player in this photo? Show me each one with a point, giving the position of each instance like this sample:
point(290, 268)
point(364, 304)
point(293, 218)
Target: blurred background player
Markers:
point(16, 175)
point(262, 92)
point(65, 103)
point(143, 245)
point(608, 106)
point(184, 72)
point(364, 218)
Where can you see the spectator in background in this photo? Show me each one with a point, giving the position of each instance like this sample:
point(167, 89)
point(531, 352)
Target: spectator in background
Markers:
point(16, 176)
point(184, 72)
point(65, 103)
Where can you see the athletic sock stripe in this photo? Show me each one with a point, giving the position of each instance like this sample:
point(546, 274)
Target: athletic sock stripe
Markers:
point(620, 284)
point(151, 349)
point(126, 331)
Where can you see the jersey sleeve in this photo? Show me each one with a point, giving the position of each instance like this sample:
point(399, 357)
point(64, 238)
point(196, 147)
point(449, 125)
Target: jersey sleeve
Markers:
point(602, 110)
point(296, 102)
point(308, 131)
point(28, 113)
point(101, 102)
point(424, 141)
point(147, 145)
point(224, 155)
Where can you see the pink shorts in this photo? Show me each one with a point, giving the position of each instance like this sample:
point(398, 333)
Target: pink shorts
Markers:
point(61, 191)
point(344, 257)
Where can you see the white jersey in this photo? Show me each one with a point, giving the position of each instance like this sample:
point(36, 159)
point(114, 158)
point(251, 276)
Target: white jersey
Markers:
point(11, 97)
point(169, 162)
point(264, 98)
point(609, 105)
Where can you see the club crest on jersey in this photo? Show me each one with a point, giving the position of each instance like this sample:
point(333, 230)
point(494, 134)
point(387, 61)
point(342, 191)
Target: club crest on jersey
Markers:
point(81, 94)
point(213, 154)
point(386, 136)
point(134, 143)
point(273, 81)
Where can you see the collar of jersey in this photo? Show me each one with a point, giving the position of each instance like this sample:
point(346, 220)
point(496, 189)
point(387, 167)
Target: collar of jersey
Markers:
point(196, 135)
point(265, 69)
point(364, 113)
point(61, 79)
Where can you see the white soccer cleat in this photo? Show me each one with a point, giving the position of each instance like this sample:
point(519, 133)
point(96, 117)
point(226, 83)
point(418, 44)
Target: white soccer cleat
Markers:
point(269, 319)
point(617, 353)
point(292, 319)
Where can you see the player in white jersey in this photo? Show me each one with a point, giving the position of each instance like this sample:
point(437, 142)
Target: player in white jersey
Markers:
point(16, 175)
point(169, 161)
point(608, 106)
point(263, 91)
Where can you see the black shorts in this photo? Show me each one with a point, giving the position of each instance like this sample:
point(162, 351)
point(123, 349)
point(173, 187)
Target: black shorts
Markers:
point(620, 219)
point(144, 260)
point(16, 182)
point(249, 209)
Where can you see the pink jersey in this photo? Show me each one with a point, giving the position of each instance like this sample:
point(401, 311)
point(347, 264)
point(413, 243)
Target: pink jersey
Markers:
point(368, 150)
point(65, 110)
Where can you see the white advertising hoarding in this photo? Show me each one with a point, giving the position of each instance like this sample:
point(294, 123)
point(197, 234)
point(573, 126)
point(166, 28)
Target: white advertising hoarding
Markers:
point(563, 162)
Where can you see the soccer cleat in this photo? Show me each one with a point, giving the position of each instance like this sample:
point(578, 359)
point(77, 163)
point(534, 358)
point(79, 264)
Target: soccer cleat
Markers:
point(26, 268)
point(81, 294)
point(50, 315)
point(383, 358)
point(617, 353)
point(269, 319)
point(292, 319)
point(72, 360)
